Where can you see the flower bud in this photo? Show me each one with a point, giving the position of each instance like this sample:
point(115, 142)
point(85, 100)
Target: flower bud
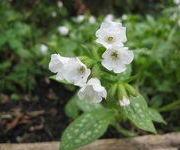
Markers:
point(124, 101)
point(121, 91)
point(113, 92)
point(131, 90)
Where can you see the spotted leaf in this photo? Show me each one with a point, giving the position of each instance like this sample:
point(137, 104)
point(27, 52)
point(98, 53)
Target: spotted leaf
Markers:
point(138, 113)
point(85, 129)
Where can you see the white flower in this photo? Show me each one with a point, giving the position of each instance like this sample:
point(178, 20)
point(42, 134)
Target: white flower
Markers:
point(80, 18)
point(60, 4)
point(124, 17)
point(69, 69)
point(63, 30)
point(43, 49)
point(57, 63)
point(109, 17)
point(116, 58)
point(54, 14)
point(111, 33)
point(75, 72)
point(177, 2)
point(124, 102)
point(93, 90)
point(92, 20)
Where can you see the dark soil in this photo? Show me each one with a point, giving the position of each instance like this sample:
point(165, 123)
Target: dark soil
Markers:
point(37, 117)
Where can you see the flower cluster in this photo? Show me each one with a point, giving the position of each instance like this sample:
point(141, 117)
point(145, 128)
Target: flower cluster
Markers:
point(74, 71)
point(116, 57)
point(112, 36)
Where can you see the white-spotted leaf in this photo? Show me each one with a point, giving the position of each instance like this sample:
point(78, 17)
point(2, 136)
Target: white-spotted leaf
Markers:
point(87, 105)
point(156, 116)
point(85, 129)
point(71, 108)
point(138, 113)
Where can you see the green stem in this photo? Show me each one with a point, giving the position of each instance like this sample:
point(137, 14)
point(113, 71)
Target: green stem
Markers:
point(124, 131)
point(172, 106)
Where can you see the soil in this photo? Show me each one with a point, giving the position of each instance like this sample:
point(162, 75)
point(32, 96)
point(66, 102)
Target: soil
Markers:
point(37, 117)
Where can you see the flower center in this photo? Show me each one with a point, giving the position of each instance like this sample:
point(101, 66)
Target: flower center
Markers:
point(114, 55)
point(81, 69)
point(110, 39)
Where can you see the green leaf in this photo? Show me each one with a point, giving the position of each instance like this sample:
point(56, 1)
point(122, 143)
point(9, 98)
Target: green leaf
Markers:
point(74, 105)
point(71, 108)
point(87, 105)
point(156, 116)
point(138, 113)
point(156, 101)
point(85, 129)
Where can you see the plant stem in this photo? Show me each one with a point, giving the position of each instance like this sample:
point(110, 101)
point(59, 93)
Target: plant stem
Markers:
point(124, 131)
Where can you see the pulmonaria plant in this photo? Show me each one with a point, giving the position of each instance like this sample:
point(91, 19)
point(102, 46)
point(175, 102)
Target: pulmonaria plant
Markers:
point(105, 94)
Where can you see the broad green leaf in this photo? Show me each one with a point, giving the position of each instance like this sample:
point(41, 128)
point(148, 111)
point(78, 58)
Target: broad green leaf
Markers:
point(74, 105)
point(156, 116)
point(85, 129)
point(87, 105)
point(156, 101)
point(71, 108)
point(138, 113)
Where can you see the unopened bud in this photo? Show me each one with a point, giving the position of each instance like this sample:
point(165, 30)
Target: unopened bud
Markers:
point(131, 90)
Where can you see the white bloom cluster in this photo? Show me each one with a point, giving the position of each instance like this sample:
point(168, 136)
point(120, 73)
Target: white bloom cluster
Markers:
point(74, 71)
point(63, 30)
point(112, 36)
